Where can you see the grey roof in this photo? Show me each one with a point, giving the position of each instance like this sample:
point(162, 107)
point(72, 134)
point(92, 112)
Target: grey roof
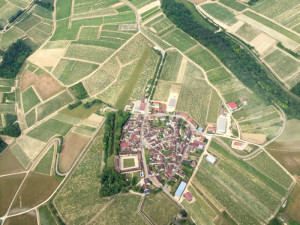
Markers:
point(221, 124)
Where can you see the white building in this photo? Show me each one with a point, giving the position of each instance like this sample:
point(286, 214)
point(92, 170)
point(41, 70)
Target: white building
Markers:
point(211, 159)
point(221, 124)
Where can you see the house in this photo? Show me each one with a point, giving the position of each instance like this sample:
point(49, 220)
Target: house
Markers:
point(211, 159)
point(156, 105)
point(193, 164)
point(221, 124)
point(188, 196)
point(180, 189)
point(232, 106)
point(211, 129)
point(124, 144)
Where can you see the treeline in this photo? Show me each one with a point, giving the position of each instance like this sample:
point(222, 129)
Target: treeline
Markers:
point(13, 59)
point(3, 145)
point(12, 127)
point(295, 54)
point(113, 130)
point(46, 4)
point(296, 89)
point(236, 58)
point(15, 16)
point(252, 2)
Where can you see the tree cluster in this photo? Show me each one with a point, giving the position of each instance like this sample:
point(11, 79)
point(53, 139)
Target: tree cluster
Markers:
point(252, 2)
point(74, 105)
point(13, 59)
point(236, 58)
point(45, 4)
point(3, 145)
point(15, 16)
point(79, 91)
point(12, 127)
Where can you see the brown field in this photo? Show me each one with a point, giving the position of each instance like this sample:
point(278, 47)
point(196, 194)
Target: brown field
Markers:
point(25, 219)
point(36, 189)
point(255, 138)
point(293, 205)
point(72, 147)
point(47, 57)
point(9, 163)
point(290, 160)
point(8, 188)
point(45, 85)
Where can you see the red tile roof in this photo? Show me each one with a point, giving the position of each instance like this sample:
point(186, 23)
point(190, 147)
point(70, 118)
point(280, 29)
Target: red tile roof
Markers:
point(188, 196)
point(232, 105)
point(238, 143)
point(124, 144)
point(164, 107)
point(143, 106)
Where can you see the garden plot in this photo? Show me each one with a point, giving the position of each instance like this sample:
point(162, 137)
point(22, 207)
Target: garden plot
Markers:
point(70, 71)
point(283, 64)
point(247, 194)
point(73, 145)
point(203, 58)
point(180, 40)
point(220, 13)
point(30, 146)
point(29, 99)
point(53, 105)
point(89, 53)
point(247, 32)
point(103, 77)
point(171, 66)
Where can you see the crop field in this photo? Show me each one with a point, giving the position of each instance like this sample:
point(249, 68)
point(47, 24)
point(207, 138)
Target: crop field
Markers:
point(80, 112)
point(9, 163)
point(53, 104)
point(215, 106)
point(88, 52)
point(140, 3)
point(162, 91)
point(203, 58)
point(194, 95)
point(180, 40)
point(36, 188)
point(8, 186)
point(162, 24)
point(248, 194)
point(288, 159)
point(63, 9)
point(219, 75)
point(123, 210)
point(45, 215)
point(163, 214)
point(9, 37)
point(30, 146)
point(20, 155)
point(7, 108)
point(29, 99)
point(89, 33)
point(234, 5)
point(78, 200)
point(24, 219)
point(247, 32)
point(85, 130)
point(220, 13)
point(171, 66)
point(283, 64)
point(28, 22)
point(44, 166)
point(70, 71)
point(200, 211)
point(104, 76)
point(293, 205)
point(7, 82)
point(290, 18)
point(273, 26)
point(73, 145)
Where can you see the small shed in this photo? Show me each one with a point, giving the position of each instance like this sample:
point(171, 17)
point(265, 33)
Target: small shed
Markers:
point(188, 196)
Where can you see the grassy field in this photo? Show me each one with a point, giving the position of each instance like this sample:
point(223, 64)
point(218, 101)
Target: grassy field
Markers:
point(214, 107)
point(199, 210)
point(73, 145)
point(283, 64)
point(45, 163)
point(29, 99)
point(248, 32)
point(8, 187)
point(171, 66)
point(234, 4)
point(203, 58)
point(78, 200)
point(180, 40)
point(220, 13)
point(24, 219)
point(85, 130)
point(164, 213)
point(53, 104)
point(9, 163)
point(248, 194)
point(80, 112)
point(63, 9)
point(36, 189)
point(46, 217)
point(162, 91)
point(128, 163)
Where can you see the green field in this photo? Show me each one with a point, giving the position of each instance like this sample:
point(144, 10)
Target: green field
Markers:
point(89, 33)
point(164, 213)
point(203, 58)
point(85, 130)
point(234, 4)
point(7, 108)
point(30, 118)
point(180, 40)
point(171, 66)
point(128, 163)
point(219, 75)
point(45, 163)
point(20, 155)
point(7, 82)
point(214, 107)
point(248, 32)
point(283, 64)
point(29, 99)
point(24, 219)
point(53, 105)
point(63, 9)
point(220, 13)
point(162, 91)
point(46, 217)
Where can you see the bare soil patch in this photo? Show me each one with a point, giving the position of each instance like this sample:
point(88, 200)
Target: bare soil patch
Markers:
point(45, 85)
point(8, 188)
point(9, 163)
point(47, 57)
point(234, 28)
point(36, 189)
point(262, 42)
point(255, 138)
point(94, 120)
point(72, 147)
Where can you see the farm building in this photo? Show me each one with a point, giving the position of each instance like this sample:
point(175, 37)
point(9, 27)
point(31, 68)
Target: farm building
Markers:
point(211, 159)
point(188, 196)
point(232, 106)
point(180, 189)
point(221, 124)
point(211, 129)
